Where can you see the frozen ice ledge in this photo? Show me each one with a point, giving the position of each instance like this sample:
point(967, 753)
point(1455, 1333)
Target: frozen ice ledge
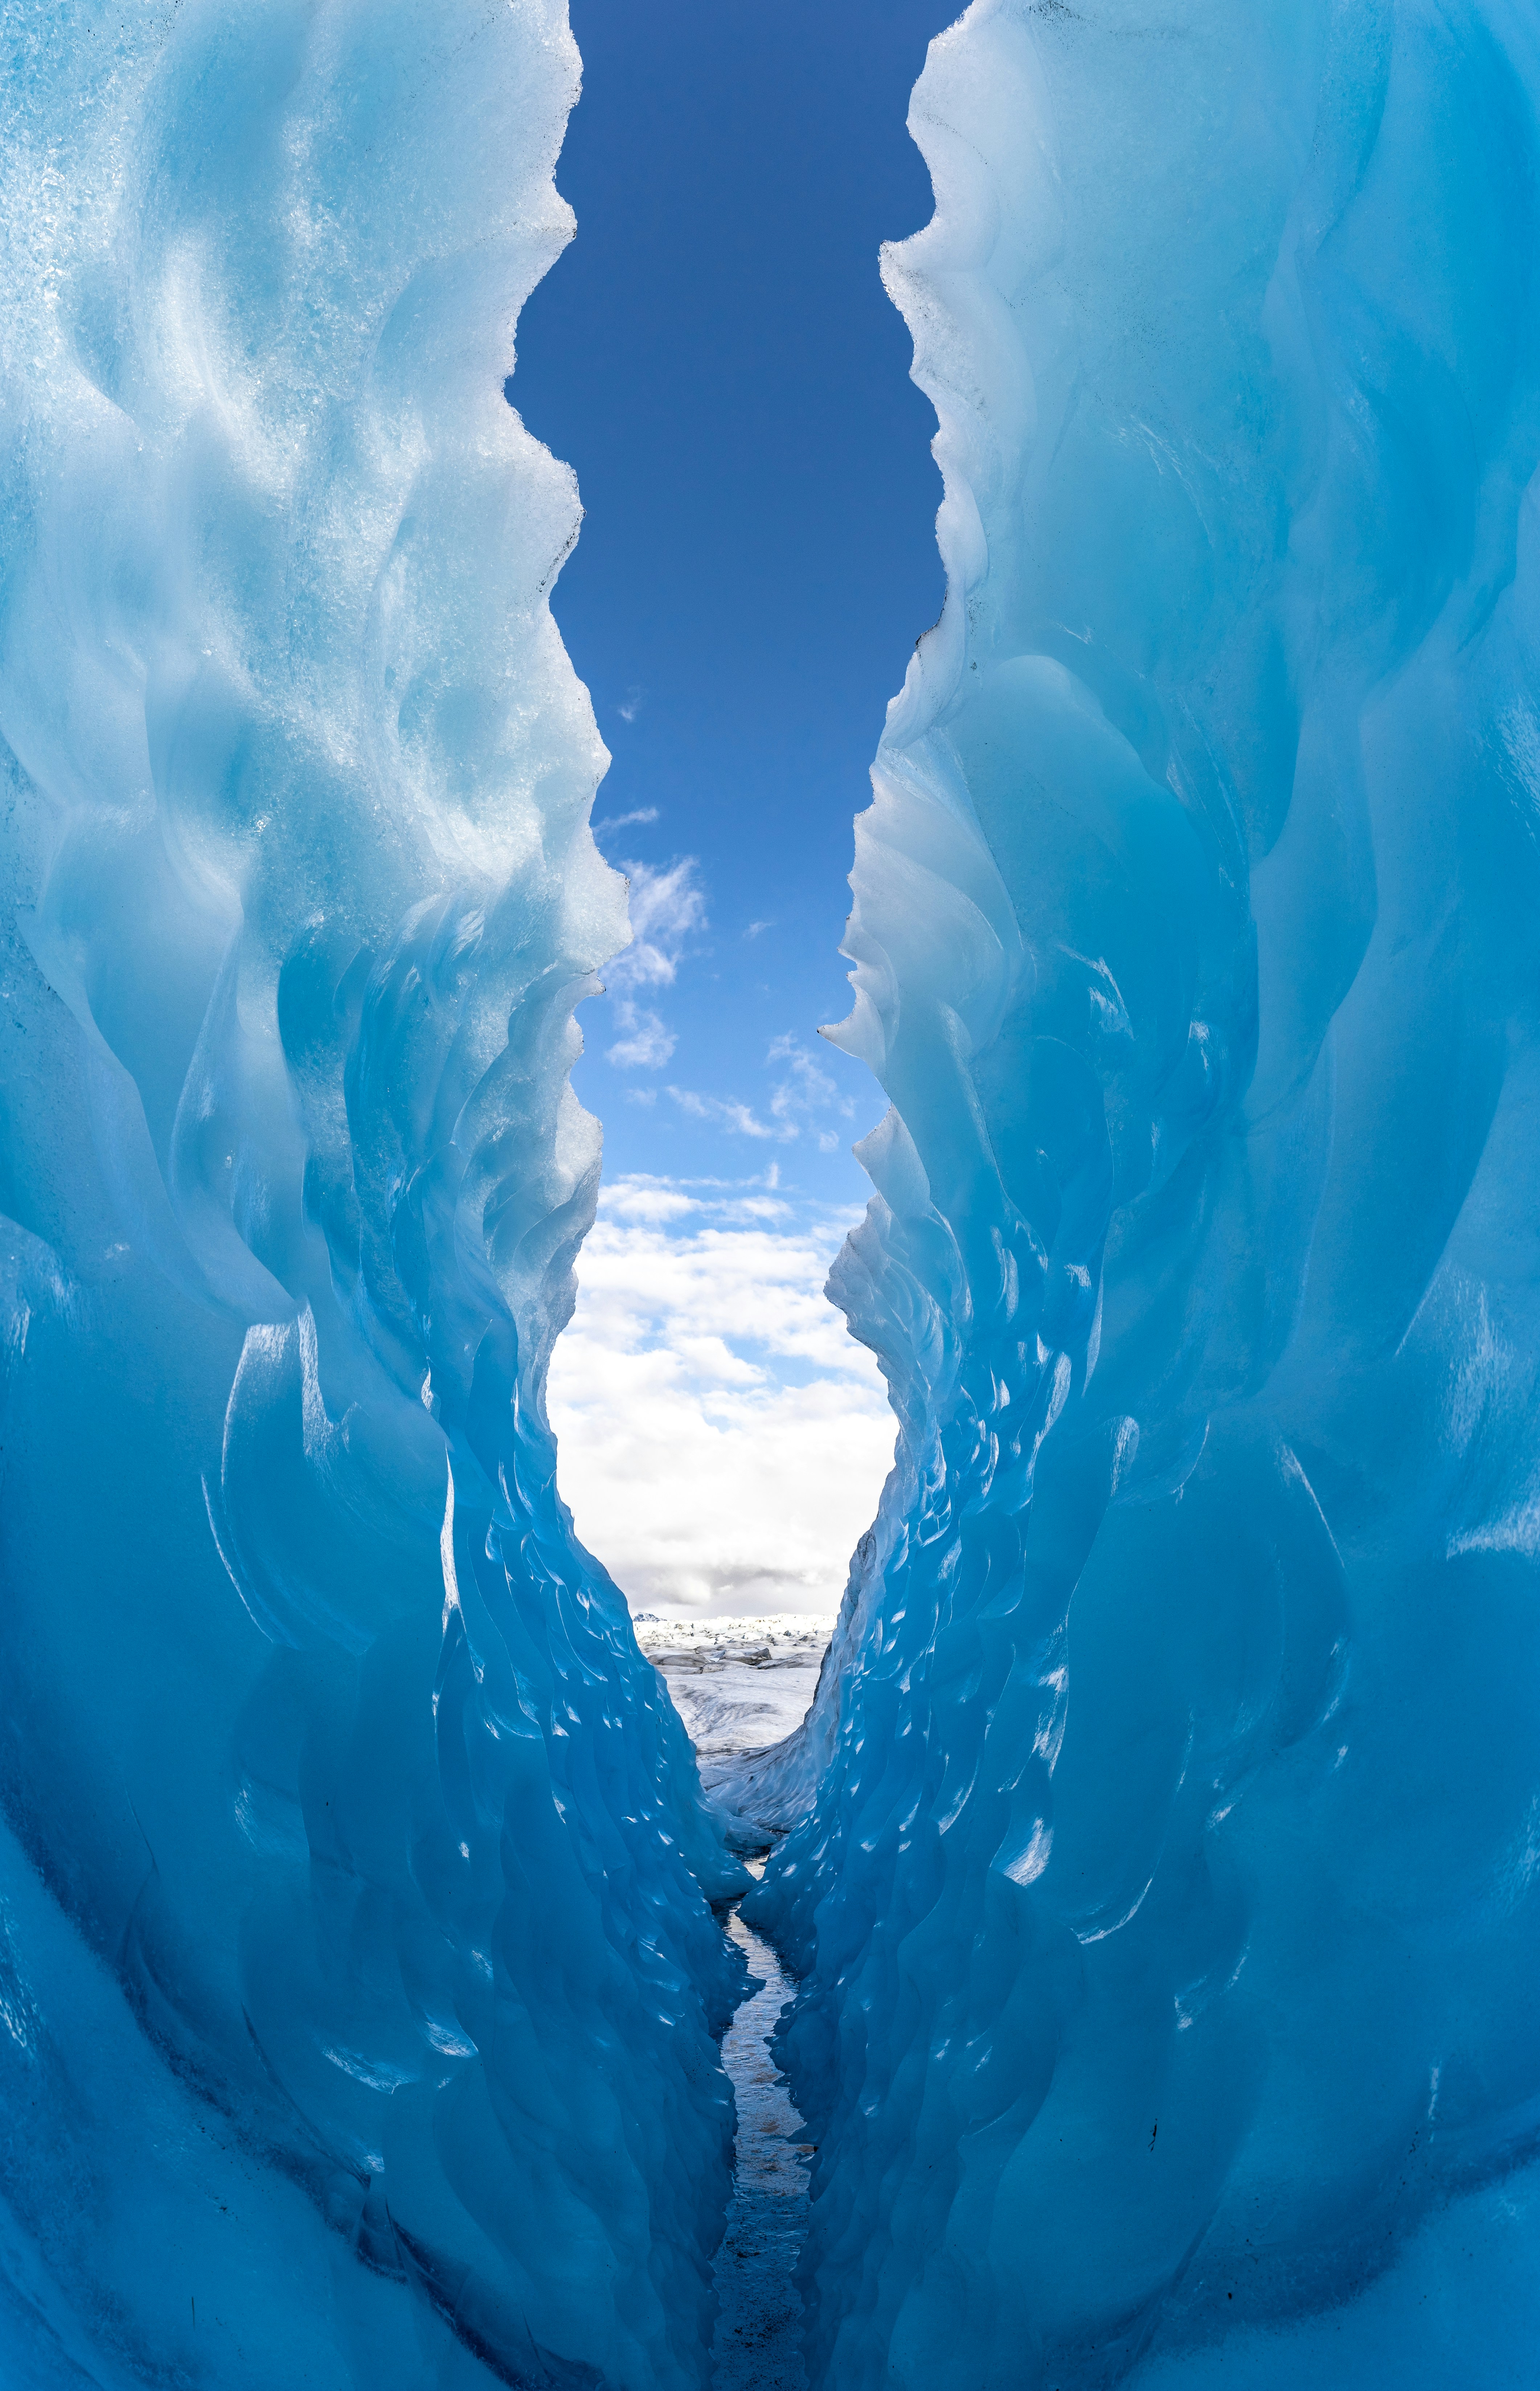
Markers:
point(1163, 1848)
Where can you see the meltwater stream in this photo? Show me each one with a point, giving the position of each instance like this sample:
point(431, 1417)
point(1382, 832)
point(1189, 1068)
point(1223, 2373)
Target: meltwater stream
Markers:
point(741, 1684)
point(758, 2340)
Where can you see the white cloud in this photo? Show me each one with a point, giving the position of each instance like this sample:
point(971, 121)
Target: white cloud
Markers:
point(805, 1088)
point(723, 1439)
point(624, 822)
point(645, 1042)
point(738, 1119)
point(757, 929)
point(728, 1203)
point(653, 1200)
point(666, 907)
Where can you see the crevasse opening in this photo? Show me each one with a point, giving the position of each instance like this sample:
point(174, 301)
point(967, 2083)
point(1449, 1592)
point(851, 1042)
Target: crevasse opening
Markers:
point(1156, 1864)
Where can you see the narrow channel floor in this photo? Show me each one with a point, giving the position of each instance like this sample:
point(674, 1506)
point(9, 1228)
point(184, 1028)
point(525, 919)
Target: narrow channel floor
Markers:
point(758, 2342)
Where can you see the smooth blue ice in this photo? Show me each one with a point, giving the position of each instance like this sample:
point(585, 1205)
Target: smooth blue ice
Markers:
point(1169, 1910)
point(358, 1977)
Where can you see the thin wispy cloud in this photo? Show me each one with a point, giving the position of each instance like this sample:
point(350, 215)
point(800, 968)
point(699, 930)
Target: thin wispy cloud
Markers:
point(666, 908)
point(625, 821)
point(725, 1112)
point(804, 1092)
point(804, 1101)
point(757, 929)
point(645, 1042)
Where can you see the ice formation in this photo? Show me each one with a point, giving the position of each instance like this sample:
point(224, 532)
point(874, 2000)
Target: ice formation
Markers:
point(358, 1977)
point(1169, 1914)
point(1164, 1851)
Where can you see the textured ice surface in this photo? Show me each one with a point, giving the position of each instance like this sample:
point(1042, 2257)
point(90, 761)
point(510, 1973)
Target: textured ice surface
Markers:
point(1171, 1906)
point(356, 1990)
point(1168, 1902)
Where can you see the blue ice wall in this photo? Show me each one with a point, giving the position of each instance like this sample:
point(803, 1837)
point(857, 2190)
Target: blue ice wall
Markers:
point(356, 1971)
point(1170, 1905)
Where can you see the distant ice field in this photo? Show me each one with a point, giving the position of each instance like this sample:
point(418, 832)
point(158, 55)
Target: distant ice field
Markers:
point(739, 1685)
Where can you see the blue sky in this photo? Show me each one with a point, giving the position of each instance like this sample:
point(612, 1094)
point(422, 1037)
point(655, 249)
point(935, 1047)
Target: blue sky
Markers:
point(716, 355)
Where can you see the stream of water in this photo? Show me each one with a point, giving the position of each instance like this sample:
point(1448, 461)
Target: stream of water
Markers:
point(758, 2343)
point(741, 1684)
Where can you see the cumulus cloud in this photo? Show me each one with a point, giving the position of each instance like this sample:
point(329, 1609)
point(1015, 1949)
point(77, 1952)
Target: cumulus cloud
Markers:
point(723, 1439)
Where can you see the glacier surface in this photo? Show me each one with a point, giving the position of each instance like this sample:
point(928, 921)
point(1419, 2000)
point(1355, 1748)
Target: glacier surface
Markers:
point(358, 1977)
point(1167, 1914)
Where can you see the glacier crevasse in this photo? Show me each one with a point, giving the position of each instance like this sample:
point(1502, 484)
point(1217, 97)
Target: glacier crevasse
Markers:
point(1165, 1902)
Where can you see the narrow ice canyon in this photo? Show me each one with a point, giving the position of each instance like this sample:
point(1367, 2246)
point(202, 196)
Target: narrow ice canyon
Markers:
point(1156, 1873)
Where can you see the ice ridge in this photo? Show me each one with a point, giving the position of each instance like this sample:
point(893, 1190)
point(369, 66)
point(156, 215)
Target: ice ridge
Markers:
point(1168, 1912)
point(357, 1976)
